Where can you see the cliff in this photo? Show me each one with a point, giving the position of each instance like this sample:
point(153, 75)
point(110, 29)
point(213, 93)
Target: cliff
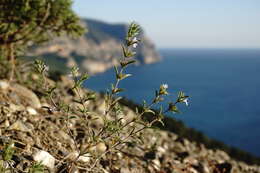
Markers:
point(97, 50)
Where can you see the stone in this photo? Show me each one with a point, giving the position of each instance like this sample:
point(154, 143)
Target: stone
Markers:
point(161, 151)
point(99, 148)
point(15, 108)
point(31, 111)
point(72, 156)
point(4, 85)
point(45, 158)
point(6, 123)
point(223, 155)
point(157, 164)
point(26, 95)
point(84, 158)
point(75, 155)
point(20, 126)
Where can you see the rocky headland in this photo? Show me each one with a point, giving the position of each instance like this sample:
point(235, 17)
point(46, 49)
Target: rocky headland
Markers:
point(96, 51)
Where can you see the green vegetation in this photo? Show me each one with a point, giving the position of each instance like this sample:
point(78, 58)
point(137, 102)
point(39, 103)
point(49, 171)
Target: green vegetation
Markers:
point(27, 22)
point(116, 131)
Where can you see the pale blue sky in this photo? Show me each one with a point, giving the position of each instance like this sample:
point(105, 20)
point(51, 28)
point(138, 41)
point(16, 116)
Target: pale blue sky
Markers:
point(184, 23)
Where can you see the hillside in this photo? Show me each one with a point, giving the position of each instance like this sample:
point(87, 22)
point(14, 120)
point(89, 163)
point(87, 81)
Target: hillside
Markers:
point(97, 50)
point(41, 133)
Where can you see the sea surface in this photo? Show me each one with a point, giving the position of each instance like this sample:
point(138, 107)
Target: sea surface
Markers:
point(223, 85)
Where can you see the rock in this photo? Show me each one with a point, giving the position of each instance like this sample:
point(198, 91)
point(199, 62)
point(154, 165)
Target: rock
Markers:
point(26, 95)
point(161, 150)
point(45, 158)
point(157, 164)
point(223, 155)
point(72, 156)
point(99, 148)
point(191, 160)
point(65, 136)
point(192, 170)
point(173, 136)
point(125, 170)
point(75, 155)
point(84, 158)
point(99, 50)
point(20, 126)
point(15, 108)
point(6, 123)
point(178, 147)
point(205, 168)
point(31, 111)
point(4, 85)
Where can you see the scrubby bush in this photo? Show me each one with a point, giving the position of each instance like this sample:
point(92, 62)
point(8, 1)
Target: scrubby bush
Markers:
point(27, 22)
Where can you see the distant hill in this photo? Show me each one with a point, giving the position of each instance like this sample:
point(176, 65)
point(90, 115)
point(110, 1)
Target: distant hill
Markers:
point(97, 50)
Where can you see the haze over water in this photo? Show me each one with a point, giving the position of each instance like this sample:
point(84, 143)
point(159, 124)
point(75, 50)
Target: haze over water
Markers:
point(223, 85)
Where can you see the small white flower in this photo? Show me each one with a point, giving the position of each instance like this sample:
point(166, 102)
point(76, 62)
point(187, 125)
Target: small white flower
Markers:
point(186, 101)
point(135, 42)
point(75, 72)
point(165, 86)
point(46, 68)
point(135, 39)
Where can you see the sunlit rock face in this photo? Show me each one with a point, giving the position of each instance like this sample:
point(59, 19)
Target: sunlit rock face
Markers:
point(97, 50)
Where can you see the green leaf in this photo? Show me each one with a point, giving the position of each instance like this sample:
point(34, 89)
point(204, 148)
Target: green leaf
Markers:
point(117, 90)
point(149, 111)
point(8, 152)
point(128, 53)
point(116, 70)
point(126, 63)
point(122, 76)
point(160, 121)
point(73, 117)
point(173, 108)
point(37, 168)
point(133, 30)
point(116, 100)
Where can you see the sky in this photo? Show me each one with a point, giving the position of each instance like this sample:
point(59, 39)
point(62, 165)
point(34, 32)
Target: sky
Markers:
point(184, 23)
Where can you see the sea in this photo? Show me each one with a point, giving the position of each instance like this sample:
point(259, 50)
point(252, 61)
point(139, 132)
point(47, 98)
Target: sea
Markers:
point(223, 85)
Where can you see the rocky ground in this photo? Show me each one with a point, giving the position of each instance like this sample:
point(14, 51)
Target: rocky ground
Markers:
point(39, 135)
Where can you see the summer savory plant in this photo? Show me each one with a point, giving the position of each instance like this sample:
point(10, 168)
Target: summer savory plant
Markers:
point(116, 131)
